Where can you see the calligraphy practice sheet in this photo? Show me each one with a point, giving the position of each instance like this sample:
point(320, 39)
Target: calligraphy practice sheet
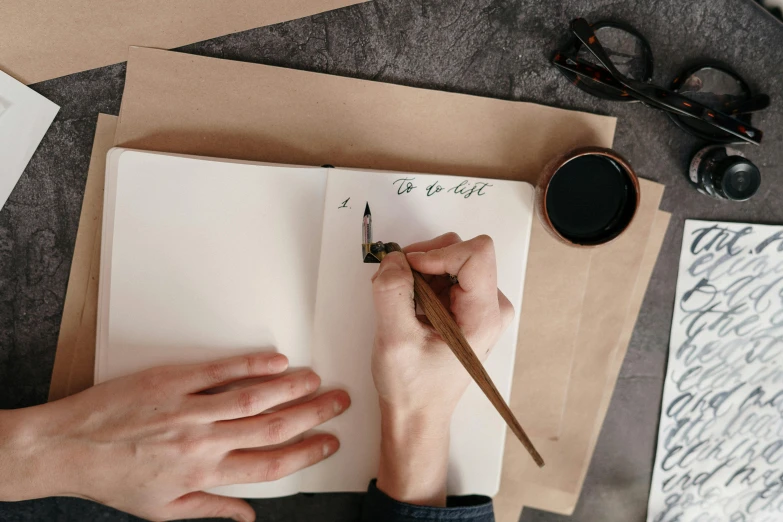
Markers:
point(720, 440)
point(205, 258)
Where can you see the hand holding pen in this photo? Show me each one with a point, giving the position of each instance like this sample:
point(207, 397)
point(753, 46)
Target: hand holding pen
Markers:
point(419, 362)
point(459, 314)
point(419, 380)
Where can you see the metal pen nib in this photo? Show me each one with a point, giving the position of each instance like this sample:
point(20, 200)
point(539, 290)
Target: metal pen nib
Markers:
point(367, 225)
point(371, 252)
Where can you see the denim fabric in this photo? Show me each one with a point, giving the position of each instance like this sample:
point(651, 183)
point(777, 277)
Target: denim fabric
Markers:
point(379, 507)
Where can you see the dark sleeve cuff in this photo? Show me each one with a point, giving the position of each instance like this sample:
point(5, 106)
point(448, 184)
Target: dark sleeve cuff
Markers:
point(379, 507)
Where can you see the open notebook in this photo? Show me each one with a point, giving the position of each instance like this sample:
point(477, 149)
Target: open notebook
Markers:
point(205, 258)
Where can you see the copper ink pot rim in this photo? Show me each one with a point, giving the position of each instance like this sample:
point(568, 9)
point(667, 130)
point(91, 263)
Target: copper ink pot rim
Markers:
point(554, 165)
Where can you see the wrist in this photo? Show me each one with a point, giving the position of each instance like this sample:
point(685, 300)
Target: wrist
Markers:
point(29, 460)
point(417, 426)
point(414, 455)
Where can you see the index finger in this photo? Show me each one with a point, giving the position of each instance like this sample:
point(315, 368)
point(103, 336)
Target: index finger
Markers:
point(474, 300)
point(444, 240)
point(204, 376)
point(472, 261)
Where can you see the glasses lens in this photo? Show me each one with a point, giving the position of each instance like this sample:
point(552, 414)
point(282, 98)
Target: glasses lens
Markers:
point(627, 49)
point(627, 52)
point(716, 88)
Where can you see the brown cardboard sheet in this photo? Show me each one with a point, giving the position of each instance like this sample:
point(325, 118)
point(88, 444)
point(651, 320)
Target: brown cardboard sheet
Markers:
point(75, 357)
point(548, 326)
point(610, 284)
point(516, 488)
point(187, 104)
point(176, 102)
point(660, 226)
point(42, 39)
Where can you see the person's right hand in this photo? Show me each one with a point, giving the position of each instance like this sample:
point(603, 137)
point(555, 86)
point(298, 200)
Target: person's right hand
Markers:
point(150, 443)
point(414, 369)
point(419, 380)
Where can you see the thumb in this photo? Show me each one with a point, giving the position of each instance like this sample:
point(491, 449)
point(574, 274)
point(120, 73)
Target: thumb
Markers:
point(205, 505)
point(392, 289)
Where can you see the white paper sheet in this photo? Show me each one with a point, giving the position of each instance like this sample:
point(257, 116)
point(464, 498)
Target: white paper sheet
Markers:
point(344, 325)
point(207, 259)
point(214, 258)
point(4, 104)
point(720, 440)
point(25, 116)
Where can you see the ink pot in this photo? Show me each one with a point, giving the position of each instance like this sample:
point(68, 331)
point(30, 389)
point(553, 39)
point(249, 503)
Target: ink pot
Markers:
point(724, 173)
point(587, 197)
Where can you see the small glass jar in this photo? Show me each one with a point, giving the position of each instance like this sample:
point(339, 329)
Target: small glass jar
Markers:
point(724, 173)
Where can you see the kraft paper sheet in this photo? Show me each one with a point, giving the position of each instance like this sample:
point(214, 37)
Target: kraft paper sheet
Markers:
point(180, 103)
point(41, 39)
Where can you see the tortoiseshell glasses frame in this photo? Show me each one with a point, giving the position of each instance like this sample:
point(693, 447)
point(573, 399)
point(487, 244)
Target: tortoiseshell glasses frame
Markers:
point(726, 121)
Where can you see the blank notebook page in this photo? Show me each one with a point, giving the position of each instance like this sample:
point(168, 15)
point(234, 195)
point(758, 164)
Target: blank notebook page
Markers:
point(207, 259)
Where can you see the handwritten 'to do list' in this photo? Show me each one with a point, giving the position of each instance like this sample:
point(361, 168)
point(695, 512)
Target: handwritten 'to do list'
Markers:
point(720, 439)
point(464, 188)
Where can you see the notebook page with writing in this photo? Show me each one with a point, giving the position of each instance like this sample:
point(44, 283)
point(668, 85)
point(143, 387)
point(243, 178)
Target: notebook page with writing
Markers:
point(204, 259)
point(407, 208)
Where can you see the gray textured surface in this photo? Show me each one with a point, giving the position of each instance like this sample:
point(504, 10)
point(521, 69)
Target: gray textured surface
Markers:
point(490, 48)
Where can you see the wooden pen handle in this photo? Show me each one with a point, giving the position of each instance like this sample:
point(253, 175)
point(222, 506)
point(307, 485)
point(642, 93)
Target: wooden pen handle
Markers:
point(448, 329)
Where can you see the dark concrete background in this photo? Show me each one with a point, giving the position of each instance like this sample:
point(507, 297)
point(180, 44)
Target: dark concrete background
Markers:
point(490, 48)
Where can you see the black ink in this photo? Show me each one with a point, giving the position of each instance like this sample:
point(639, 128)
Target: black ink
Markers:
point(465, 189)
point(434, 188)
point(699, 285)
point(344, 203)
point(722, 238)
point(777, 236)
point(406, 185)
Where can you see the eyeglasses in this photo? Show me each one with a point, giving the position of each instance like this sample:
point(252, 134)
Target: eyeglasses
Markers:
point(710, 101)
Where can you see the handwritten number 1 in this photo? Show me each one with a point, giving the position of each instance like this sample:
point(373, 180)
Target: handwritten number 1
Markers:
point(345, 203)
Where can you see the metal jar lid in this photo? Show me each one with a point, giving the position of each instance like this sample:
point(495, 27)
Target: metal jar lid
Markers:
point(736, 178)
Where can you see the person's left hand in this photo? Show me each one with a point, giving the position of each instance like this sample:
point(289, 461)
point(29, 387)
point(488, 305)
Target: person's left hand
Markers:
point(150, 443)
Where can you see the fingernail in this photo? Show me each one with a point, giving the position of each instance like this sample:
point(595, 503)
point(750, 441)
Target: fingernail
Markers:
point(393, 261)
point(338, 407)
point(278, 363)
point(329, 448)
